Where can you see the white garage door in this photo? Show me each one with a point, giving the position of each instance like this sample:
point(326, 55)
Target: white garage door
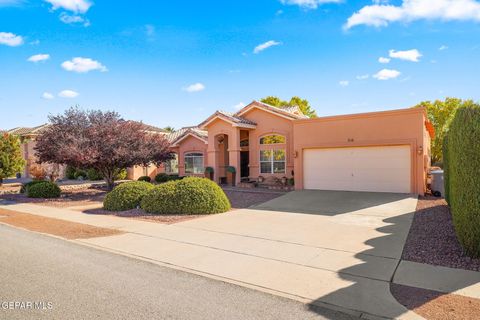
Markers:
point(379, 169)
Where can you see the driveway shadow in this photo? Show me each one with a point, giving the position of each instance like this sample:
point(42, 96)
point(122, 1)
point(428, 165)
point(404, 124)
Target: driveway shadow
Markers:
point(374, 297)
point(328, 203)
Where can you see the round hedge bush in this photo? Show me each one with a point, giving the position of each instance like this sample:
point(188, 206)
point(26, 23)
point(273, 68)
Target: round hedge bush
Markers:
point(145, 178)
point(186, 196)
point(43, 189)
point(126, 196)
point(25, 186)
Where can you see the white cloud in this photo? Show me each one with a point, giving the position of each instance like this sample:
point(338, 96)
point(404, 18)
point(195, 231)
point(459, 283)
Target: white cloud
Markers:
point(74, 19)
point(383, 60)
point(386, 74)
point(408, 55)
point(68, 94)
point(39, 57)
point(82, 65)
point(196, 87)
point(76, 6)
point(363, 77)
point(381, 15)
point(308, 4)
point(443, 47)
point(344, 83)
point(10, 39)
point(48, 96)
point(265, 45)
point(239, 106)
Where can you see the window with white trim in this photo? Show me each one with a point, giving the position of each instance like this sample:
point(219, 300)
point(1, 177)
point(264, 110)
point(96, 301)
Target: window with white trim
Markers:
point(171, 166)
point(194, 163)
point(272, 161)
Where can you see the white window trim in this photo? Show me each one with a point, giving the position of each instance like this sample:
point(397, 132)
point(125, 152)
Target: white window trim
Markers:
point(197, 155)
point(171, 172)
point(271, 161)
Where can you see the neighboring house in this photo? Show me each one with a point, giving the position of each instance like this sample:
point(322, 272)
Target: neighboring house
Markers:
point(386, 151)
point(28, 137)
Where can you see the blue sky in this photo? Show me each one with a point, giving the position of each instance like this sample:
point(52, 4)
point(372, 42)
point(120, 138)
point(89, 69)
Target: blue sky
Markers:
point(174, 63)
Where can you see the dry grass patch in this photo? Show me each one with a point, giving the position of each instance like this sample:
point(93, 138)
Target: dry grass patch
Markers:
point(57, 227)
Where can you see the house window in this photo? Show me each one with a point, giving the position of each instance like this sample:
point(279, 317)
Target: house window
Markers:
point(272, 139)
point(272, 161)
point(194, 163)
point(171, 166)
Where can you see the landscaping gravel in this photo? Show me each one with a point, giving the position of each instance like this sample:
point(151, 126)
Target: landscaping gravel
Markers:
point(435, 305)
point(432, 237)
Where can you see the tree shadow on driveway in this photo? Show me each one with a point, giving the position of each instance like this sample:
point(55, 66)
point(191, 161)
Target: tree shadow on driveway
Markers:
point(328, 203)
point(373, 296)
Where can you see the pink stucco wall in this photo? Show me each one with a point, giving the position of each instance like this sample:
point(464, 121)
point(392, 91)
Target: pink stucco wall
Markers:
point(268, 123)
point(388, 128)
point(190, 144)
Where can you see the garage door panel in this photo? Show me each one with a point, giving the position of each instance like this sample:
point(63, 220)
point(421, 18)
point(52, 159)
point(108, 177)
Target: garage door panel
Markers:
point(381, 169)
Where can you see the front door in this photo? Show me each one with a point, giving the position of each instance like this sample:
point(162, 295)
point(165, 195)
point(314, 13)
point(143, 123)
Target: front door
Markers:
point(244, 160)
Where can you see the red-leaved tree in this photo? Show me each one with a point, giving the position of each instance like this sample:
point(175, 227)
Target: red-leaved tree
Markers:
point(100, 140)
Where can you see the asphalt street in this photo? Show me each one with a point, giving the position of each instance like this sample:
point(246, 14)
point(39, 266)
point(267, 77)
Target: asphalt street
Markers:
point(42, 277)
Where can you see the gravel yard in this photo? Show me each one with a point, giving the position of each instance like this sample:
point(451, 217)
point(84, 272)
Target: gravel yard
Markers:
point(90, 201)
point(435, 305)
point(432, 237)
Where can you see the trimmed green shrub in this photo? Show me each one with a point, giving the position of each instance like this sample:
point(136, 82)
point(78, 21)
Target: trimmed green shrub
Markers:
point(145, 178)
point(70, 172)
point(208, 170)
point(463, 171)
point(187, 196)
point(163, 177)
point(94, 175)
point(43, 189)
point(25, 186)
point(80, 174)
point(446, 169)
point(126, 196)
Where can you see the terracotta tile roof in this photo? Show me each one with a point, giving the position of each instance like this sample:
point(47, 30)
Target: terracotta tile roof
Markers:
point(176, 135)
point(291, 111)
point(235, 118)
point(231, 117)
point(20, 131)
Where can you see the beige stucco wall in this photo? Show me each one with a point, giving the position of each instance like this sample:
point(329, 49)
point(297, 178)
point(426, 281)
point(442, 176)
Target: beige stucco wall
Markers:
point(388, 128)
point(190, 144)
point(268, 123)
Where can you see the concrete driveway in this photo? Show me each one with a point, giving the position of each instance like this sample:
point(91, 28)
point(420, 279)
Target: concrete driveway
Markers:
point(338, 249)
point(335, 249)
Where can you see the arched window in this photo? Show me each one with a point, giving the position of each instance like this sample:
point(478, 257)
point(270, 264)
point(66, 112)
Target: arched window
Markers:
point(273, 158)
point(194, 163)
point(272, 139)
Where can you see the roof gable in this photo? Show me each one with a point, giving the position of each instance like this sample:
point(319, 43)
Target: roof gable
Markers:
point(287, 112)
point(175, 137)
point(231, 118)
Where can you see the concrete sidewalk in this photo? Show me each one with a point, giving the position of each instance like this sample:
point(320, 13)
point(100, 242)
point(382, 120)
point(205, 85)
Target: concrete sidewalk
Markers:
point(346, 274)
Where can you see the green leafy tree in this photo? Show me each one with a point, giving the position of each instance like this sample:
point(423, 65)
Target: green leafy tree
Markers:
point(169, 129)
point(11, 159)
point(440, 114)
point(303, 104)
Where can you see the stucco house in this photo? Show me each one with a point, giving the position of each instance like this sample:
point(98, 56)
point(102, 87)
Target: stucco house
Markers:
point(387, 151)
point(29, 136)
